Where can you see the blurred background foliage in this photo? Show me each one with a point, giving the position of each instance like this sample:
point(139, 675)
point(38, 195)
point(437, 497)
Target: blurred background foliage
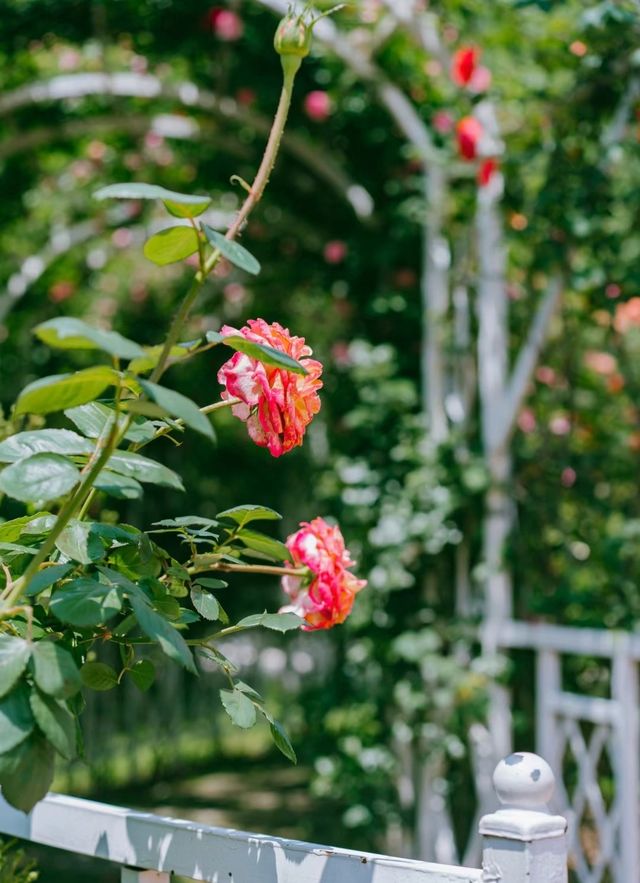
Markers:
point(339, 238)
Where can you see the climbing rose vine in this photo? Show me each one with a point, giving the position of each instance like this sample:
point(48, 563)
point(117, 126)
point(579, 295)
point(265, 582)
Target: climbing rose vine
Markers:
point(70, 583)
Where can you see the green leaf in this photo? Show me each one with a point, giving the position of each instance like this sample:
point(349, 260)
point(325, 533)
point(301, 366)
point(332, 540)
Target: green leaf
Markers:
point(39, 441)
point(277, 622)
point(16, 720)
point(282, 741)
point(179, 406)
point(143, 469)
point(181, 204)
point(55, 671)
point(68, 333)
point(268, 355)
point(119, 486)
point(56, 722)
point(80, 542)
point(99, 676)
point(265, 545)
point(143, 674)
point(31, 776)
point(40, 477)
point(206, 605)
point(152, 356)
point(62, 391)
point(158, 629)
point(244, 514)
point(232, 251)
point(92, 418)
point(211, 583)
point(85, 602)
point(12, 530)
point(239, 707)
point(11, 550)
point(47, 577)
point(14, 655)
point(171, 245)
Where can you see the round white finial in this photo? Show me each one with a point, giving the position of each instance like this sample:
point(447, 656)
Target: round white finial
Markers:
point(524, 781)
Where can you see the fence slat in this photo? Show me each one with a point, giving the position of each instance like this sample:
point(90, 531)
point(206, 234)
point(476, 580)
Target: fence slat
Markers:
point(142, 840)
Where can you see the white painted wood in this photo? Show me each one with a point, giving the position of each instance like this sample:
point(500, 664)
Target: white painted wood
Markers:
point(524, 842)
point(626, 762)
point(567, 639)
point(548, 685)
point(149, 842)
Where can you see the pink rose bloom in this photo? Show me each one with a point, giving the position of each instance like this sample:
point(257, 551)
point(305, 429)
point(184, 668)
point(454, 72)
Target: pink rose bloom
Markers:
point(277, 405)
point(335, 251)
point(226, 25)
point(327, 598)
point(317, 106)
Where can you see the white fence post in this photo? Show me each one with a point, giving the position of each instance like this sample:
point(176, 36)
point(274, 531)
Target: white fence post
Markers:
point(523, 841)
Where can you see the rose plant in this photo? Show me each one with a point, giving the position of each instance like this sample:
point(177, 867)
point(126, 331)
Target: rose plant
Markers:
point(70, 583)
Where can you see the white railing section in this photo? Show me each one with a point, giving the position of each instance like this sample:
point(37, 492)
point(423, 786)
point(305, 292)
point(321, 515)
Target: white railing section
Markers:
point(587, 740)
point(523, 842)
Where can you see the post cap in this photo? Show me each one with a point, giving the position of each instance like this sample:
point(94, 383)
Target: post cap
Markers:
point(524, 784)
point(524, 780)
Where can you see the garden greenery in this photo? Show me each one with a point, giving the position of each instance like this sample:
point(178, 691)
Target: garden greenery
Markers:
point(71, 583)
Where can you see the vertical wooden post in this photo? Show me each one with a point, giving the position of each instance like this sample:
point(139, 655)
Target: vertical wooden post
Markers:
point(548, 686)
point(626, 763)
point(131, 875)
point(523, 841)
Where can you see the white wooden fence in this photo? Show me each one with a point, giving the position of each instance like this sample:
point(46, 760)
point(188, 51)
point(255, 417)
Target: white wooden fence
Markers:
point(580, 735)
point(523, 842)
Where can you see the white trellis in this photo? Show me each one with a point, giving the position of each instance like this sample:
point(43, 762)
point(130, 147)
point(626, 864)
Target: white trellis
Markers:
point(579, 731)
point(523, 842)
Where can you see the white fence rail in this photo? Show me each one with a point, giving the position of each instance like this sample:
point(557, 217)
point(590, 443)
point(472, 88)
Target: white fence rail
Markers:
point(581, 736)
point(523, 842)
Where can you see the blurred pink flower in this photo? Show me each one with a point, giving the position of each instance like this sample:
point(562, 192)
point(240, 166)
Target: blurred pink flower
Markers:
point(568, 477)
point(527, 420)
point(560, 424)
point(480, 80)
point(601, 363)
point(545, 374)
point(328, 597)
point(226, 25)
point(335, 251)
point(627, 315)
point(612, 290)
point(277, 405)
point(69, 60)
point(317, 106)
point(469, 131)
point(443, 122)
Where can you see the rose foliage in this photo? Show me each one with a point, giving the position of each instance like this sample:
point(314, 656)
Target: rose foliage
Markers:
point(70, 583)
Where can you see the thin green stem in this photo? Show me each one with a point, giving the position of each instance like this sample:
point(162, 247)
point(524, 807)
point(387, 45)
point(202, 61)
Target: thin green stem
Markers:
point(226, 567)
point(255, 194)
point(73, 503)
